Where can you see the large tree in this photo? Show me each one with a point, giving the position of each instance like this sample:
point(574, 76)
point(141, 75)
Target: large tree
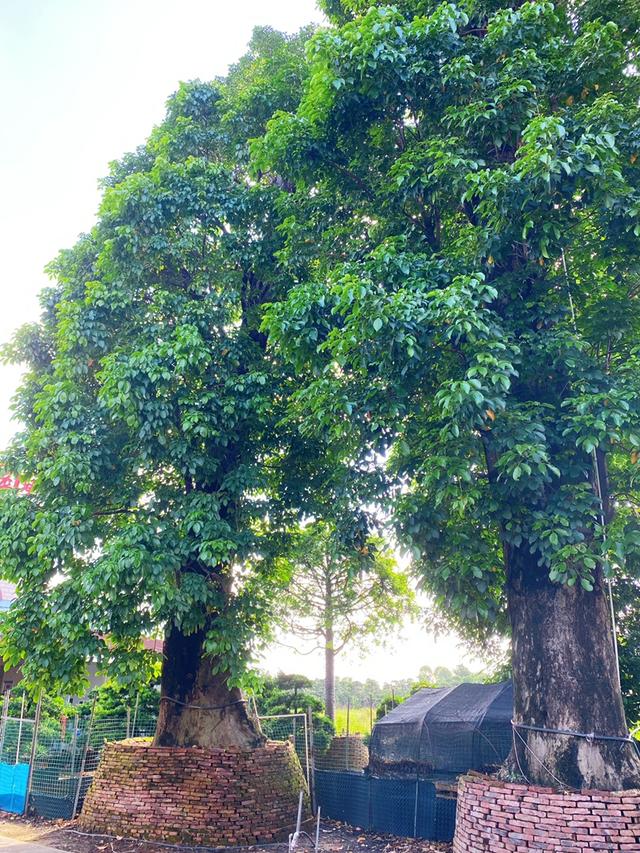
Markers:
point(341, 597)
point(150, 410)
point(465, 229)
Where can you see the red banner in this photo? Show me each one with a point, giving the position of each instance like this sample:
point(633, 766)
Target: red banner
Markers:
point(8, 481)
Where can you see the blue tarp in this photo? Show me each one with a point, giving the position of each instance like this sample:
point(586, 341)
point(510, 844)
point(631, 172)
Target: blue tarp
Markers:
point(408, 807)
point(13, 787)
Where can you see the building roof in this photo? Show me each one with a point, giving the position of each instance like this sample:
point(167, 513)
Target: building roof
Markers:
point(7, 595)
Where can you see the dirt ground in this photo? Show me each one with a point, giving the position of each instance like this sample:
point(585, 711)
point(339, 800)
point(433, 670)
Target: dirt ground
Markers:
point(334, 838)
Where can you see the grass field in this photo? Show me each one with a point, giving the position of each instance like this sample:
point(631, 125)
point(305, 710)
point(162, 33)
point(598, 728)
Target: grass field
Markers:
point(358, 721)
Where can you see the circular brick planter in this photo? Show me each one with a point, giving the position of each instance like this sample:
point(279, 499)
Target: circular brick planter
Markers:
point(205, 797)
point(496, 816)
point(344, 753)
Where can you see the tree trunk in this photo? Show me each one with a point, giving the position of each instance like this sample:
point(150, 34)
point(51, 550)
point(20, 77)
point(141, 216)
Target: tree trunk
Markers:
point(329, 675)
point(565, 677)
point(197, 708)
point(329, 647)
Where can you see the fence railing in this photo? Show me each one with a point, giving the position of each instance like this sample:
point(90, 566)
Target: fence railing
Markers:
point(47, 763)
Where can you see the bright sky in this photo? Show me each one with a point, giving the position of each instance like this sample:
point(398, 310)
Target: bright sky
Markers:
point(82, 82)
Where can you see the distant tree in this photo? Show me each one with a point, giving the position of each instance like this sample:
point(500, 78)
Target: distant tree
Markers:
point(358, 694)
point(287, 694)
point(391, 700)
point(442, 676)
point(627, 593)
point(290, 694)
point(340, 596)
point(388, 702)
point(112, 698)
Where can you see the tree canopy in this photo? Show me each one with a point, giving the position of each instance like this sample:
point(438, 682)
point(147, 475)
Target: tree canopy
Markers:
point(389, 274)
point(340, 597)
point(468, 308)
point(150, 407)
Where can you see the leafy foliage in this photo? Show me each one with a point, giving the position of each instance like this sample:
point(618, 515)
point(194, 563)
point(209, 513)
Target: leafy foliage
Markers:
point(289, 694)
point(468, 304)
point(113, 699)
point(344, 597)
point(150, 405)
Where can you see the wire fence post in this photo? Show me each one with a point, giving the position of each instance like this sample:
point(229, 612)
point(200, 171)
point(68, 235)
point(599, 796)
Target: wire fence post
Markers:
point(74, 743)
point(84, 759)
point(306, 750)
point(32, 757)
point(24, 698)
point(5, 715)
point(415, 810)
point(370, 715)
point(135, 714)
point(346, 740)
point(311, 760)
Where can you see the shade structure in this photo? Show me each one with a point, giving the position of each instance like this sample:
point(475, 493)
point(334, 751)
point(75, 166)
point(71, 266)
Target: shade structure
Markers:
point(445, 730)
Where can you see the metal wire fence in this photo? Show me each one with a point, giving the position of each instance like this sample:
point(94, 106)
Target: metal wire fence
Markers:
point(16, 745)
point(47, 766)
point(295, 729)
point(67, 757)
point(47, 763)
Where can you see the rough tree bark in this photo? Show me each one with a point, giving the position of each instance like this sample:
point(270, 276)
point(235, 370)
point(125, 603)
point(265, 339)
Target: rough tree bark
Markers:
point(329, 649)
point(197, 707)
point(565, 677)
point(329, 676)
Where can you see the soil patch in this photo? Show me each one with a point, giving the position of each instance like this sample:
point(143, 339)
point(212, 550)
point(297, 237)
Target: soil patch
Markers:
point(334, 838)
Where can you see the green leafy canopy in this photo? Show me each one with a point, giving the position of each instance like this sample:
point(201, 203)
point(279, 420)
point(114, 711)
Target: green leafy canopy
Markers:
point(466, 206)
point(151, 406)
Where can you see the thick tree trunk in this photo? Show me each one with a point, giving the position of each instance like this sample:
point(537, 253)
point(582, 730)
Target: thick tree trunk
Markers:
point(197, 708)
point(565, 678)
point(329, 676)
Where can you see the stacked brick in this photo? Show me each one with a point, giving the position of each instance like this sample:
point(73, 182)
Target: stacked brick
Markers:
point(345, 753)
point(203, 797)
point(495, 816)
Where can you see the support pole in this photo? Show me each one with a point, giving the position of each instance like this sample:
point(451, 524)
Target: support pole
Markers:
point(32, 757)
point(312, 762)
point(84, 759)
point(5, 715)
point(135, 715)
point(346, 742)
point(24, 699)
point(306, 750)
point(74, 744)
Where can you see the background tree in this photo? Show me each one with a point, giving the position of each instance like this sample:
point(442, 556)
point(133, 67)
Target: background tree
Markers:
point(627, 598)
point(466, 241)
point(150, 411)
point(340, 597)
point(290, 694)
point(442, 676)
point(113, 699)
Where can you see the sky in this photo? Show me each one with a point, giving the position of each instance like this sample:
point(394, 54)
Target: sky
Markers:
point(81, 83)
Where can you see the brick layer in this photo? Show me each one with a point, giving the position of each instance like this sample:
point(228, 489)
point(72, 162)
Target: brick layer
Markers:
point(496, 816)
point(206, 797)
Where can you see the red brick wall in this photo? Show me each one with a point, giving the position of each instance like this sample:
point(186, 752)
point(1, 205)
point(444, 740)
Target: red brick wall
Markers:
point(495, 816)
point(207, 797)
